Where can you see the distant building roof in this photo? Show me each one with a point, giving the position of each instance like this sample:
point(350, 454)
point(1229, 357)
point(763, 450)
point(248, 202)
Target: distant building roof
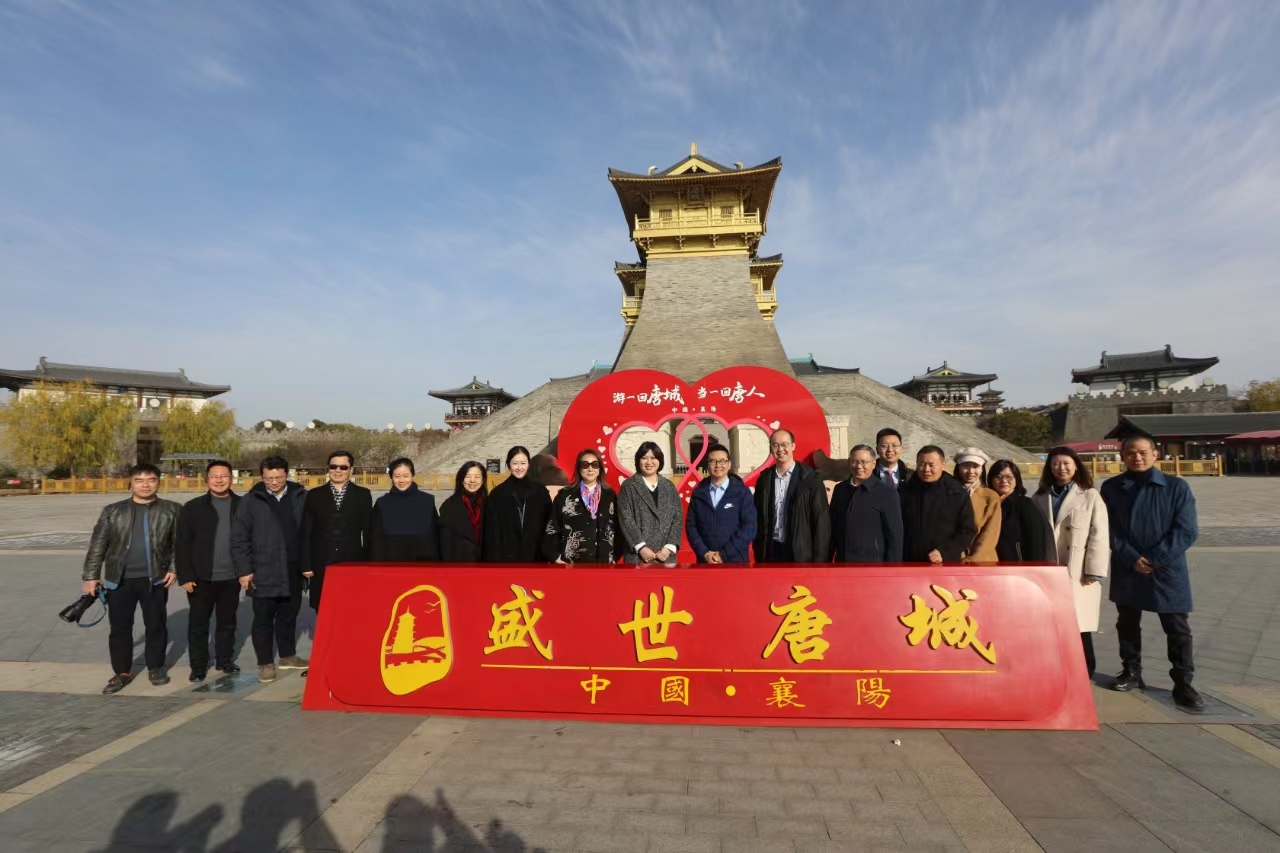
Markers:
point(1141, 362)
point(1258, 435)
point(473, 389)
point(808, 366)
point(946, 375)
point(1177, 426)
point(53, 372)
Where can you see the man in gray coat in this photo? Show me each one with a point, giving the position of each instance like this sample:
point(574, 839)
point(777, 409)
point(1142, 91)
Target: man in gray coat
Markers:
point(130, 554)
point(265, 551)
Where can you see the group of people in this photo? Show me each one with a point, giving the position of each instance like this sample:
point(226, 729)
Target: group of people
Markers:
point(276, 541)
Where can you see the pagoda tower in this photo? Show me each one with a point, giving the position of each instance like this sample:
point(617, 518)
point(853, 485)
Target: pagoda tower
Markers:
point(699, 298)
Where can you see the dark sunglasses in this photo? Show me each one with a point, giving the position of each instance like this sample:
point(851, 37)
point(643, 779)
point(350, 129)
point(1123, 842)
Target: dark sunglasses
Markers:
point(333, 467)
point(588, 463)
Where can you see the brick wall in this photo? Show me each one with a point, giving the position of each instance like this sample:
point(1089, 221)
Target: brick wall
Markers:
point(1091, 418)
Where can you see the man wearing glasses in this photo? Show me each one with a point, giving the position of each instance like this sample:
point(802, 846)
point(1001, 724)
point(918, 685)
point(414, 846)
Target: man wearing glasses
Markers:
point(336, 523)
point(866, 515)
point(791, 505)
point(722, 520)
point(265, 555)
point(890, 468)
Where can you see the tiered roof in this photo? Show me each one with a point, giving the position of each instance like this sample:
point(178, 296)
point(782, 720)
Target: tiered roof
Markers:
point(946, 375)
point(1124, 364)
point(108, 377)
point(475, 389)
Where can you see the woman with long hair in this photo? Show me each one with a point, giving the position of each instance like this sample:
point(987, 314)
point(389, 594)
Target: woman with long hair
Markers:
point(462, 515)
point(1022, 527)
point(971, 465)
point(515, 517)
point(1080, 535)
point(583, 527)
point(650, 514)
point(404, 528)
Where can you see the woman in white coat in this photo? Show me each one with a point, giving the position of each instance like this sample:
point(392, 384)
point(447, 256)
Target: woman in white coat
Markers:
point(1079, 537)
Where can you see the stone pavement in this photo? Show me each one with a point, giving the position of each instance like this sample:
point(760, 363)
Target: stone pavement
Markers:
point(236, 766)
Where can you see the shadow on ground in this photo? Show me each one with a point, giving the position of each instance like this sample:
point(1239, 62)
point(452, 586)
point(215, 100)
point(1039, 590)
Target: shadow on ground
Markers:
point(275, 812)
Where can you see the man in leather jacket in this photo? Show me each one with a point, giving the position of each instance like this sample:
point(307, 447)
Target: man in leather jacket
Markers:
point(130, 553)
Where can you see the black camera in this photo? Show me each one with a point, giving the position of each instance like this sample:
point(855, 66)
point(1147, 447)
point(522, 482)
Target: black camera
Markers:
point(75, 611)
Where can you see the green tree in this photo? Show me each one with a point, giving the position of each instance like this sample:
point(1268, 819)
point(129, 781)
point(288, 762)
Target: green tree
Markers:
point(30, 430)
point(1022, 427)
point(95, 432)
point(1263, 396)
point(210, 430)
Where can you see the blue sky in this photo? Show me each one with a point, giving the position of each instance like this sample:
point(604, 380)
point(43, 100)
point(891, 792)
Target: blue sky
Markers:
point(334, 208)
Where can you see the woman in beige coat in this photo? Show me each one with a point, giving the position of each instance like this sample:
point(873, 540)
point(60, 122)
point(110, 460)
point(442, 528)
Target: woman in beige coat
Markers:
point(971, 468)
point(1079, 538)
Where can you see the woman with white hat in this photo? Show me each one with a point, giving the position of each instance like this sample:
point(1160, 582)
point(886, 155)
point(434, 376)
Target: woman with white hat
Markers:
point(971, 465)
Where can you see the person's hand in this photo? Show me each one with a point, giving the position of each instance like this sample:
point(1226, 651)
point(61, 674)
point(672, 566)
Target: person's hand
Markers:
point(935, 556)
point(1143, 566)
point(308, 574)
point(712, 557)
point(560, 561)
point(90, 587)
point(646, 554)
point(662, 556)
point(189, 586)
point(1090, 581)
point(170, 578)
point(246, 581)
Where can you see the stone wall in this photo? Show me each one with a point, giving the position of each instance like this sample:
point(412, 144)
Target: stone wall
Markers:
point(1090, 418)
point(870, 407)
point(532, 421)
point(699, 315)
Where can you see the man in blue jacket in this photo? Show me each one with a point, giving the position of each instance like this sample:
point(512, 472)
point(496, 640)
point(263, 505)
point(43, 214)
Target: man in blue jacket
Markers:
point(722, 516)
point(1153, 523)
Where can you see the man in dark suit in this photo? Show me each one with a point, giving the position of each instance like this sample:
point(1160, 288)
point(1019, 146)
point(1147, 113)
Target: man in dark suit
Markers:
point(889, 466)
point(791, 505)
point(202, 557)
point(336, 524)
point(866, 515)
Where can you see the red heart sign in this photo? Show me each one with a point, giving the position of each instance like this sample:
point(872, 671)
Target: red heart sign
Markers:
point(735, 396)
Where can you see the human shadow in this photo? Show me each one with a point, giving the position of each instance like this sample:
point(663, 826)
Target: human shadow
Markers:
point(279, 813)
point(177, 624)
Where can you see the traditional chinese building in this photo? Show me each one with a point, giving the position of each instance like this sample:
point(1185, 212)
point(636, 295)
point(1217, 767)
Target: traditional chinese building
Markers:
point(1140, 383)
point(152, 392)
point(700, 296)
point(472, 403)
point(149, 390)
point(952, 391)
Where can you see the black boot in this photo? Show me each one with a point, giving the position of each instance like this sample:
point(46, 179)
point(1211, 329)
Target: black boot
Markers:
point(1185, 696)
point(1128, 679)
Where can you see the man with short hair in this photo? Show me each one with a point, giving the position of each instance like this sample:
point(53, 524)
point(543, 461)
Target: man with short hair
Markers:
point(130, 553)
point(937, 515)
point(202, 557)
point(1153, 524)
point(721, 521)
point(889, 466)
point(336, 526)
point(791, 507)
point(866, 514)
point(265, 550)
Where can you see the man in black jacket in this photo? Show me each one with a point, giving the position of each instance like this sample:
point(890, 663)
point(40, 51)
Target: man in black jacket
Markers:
point(265, 549)
point(866, 515)
point(202, 556)
point(130, 554)
point(336, 526)
point(937, 513)
point(794, 521)
point(890, 468)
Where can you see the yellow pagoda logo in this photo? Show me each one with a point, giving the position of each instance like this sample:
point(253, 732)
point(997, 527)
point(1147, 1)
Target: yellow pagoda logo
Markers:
point(417, 649)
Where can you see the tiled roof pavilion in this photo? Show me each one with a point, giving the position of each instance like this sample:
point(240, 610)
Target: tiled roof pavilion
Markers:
point(108, 377)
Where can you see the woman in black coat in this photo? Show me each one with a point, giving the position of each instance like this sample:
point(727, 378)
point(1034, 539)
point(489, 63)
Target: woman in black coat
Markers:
point(583, 527)
point(462, 515)
point(404, 528)
point(1022, 526)
point(515, 516)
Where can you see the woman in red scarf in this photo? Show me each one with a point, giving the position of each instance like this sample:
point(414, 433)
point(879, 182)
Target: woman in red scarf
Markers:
point(462, 514)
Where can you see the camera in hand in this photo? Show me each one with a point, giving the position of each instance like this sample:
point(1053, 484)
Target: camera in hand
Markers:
point(75, 611)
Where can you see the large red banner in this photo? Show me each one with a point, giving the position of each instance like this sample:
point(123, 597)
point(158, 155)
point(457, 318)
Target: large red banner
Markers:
point(925, 646)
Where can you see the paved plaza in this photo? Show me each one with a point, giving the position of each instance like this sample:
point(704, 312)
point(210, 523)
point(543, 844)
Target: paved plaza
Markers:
point(235, 765)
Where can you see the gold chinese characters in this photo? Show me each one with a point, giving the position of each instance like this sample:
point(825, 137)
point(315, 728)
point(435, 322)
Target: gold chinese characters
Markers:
point(951, 626)
point(802, 627)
